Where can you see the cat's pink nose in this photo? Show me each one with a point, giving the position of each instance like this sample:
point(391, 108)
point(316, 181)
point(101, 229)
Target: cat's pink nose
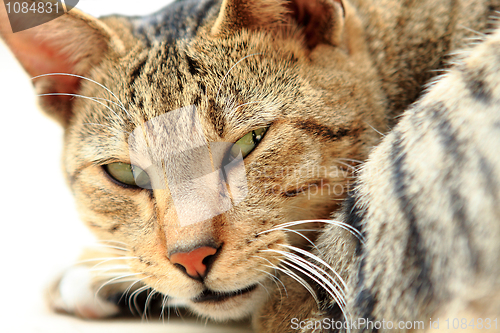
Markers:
point(195, 263)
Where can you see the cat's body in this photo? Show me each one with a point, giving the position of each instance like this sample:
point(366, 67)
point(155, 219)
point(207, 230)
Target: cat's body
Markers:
point(320, 76)
point(431, 187)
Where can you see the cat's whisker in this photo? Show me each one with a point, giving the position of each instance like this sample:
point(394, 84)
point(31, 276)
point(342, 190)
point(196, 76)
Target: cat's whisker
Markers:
point(84, 97)
point(297, 278)
point(284, 225)
point(270, 263)
point(88, 79)
point(340, 224)
point(478, 34)
point(102, 99)
point(206, 323)
point(351, 167)
point(176, 309)
point(121, 277)
point(125, 293)
point(349, 160)
point(305, 268)
point(136, 281)
point(301, 235)
point(133, 298)
point(328, 288)
point(123, 280)
point(321, 261)
point(273, 277)
point(114, 279)
point(314, 269)
point(291, 274)
point(309, 267)
point(376, 130)
point(163, 305)
point(267, 291)
point(168, 312)
point(230, 69)
point(151, 293)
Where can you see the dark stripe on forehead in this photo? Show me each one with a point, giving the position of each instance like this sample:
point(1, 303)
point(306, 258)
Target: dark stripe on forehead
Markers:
point(137, 69)
point(178, 20)
point(134, 74)
point(193, 66)
point(214, 113)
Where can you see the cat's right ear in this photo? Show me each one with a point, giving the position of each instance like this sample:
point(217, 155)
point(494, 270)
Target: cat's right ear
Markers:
point(73, 43)
point(319, 21)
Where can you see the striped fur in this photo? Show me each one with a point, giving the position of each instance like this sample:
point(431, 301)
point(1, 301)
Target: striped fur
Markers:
point(427, 206)
point(432, 187)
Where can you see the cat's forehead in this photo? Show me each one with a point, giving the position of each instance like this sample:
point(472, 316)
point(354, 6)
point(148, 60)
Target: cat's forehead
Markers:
point(236, 84)
point(231, 85)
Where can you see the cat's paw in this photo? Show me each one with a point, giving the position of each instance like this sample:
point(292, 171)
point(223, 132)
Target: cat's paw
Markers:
point(75, 292)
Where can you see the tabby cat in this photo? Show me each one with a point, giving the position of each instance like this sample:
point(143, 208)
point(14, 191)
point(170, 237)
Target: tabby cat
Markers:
point(295, 94)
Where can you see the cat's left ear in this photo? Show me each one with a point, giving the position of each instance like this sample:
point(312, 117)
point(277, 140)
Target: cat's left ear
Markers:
point(73, 43)
point(321, 21)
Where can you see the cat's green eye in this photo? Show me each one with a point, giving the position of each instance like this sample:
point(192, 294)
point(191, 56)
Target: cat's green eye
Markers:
point(127, 174)
point(248, 142)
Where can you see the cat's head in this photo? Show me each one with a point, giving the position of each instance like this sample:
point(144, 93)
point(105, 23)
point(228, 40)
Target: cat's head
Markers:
point(289, 81)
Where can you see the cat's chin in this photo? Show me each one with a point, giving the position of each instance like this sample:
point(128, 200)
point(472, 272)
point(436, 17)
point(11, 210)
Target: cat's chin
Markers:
point(229, 306)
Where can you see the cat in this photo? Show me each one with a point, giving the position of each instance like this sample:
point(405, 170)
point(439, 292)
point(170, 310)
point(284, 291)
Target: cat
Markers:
point(298, 87)
point(425, 254)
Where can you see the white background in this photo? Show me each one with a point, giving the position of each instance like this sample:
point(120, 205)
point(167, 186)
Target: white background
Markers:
point(40, 232)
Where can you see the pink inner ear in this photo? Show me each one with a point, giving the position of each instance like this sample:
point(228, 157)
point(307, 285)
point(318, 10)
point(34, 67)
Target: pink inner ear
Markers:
point(316, 17)
point(71, 44)
point(38, 59)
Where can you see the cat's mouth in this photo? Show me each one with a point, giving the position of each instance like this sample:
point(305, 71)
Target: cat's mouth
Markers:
point(209, 296)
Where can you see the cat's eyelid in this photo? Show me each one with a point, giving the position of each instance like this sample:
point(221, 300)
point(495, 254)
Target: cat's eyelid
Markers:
point(93, 163)
point(108, 160)
point(242, 133)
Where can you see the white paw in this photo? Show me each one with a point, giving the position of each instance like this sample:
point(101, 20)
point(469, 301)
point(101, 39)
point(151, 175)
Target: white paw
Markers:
point(77, 295)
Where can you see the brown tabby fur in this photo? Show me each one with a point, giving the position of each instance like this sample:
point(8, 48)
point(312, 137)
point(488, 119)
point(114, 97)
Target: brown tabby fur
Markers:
point(324, 75)
point(427, 205)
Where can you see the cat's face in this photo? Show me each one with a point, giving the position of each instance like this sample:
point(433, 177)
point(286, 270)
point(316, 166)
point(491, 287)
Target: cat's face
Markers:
point(307, 108)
